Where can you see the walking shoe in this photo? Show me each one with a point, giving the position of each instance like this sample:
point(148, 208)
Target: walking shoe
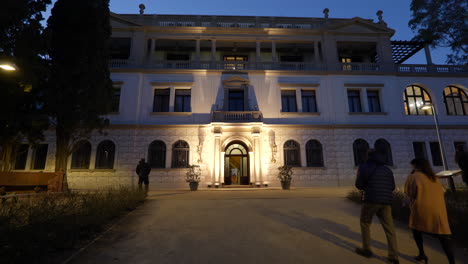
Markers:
point(364, 252)
point(394, 261)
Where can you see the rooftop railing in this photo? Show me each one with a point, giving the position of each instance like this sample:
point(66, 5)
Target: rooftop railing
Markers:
point(288, 66)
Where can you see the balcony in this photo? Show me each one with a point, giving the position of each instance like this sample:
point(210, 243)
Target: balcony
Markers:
point(289, 66)
point(237, 116)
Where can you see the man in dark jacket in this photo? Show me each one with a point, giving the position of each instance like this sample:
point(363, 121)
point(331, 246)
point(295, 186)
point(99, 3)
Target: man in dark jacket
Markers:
point(143, 170)
point(461, 158)
point(376, 182)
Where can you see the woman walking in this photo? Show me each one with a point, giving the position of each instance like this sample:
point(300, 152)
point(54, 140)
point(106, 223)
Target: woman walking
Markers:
point(428, 212)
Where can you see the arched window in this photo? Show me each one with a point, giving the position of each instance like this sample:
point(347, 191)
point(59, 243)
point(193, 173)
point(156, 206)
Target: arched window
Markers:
point(456, 101)
point(180, 154)
point(291, 154)
point(105, 155)
point(81, 155)
point(314, 154)
point(415, 97)
point(384, 149)
point(157, 154)
point(360, 148)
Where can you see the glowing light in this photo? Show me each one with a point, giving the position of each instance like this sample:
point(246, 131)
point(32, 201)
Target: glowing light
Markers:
point(8, 67)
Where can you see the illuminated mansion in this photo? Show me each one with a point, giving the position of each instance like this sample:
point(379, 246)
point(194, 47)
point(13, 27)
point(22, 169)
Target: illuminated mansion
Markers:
point(242, 95)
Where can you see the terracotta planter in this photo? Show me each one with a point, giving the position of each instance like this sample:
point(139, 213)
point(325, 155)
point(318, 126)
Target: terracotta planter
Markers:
point(193, 186)
point(286, 185)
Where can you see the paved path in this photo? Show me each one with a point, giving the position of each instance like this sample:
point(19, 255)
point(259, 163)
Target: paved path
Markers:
point(313, 225)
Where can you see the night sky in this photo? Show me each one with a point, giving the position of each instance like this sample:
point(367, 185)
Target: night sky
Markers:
point(396, 12)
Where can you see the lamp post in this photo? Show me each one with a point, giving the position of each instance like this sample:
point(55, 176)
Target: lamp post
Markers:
point(428, 106)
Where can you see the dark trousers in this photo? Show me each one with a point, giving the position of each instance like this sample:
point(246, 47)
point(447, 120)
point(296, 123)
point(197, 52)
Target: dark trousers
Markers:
point(384, 213)
point(444, 241)
point(143, 180)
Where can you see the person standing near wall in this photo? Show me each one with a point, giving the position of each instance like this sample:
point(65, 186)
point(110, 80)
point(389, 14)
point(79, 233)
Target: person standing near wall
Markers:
point(428, 211)
point(377, 183)
point(143, 170)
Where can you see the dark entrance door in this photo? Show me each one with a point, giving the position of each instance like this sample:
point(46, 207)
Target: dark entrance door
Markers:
point(236, 100)
point(236, 165)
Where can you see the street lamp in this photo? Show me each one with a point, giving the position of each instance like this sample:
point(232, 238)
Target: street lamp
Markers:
point(8, 66)
point(427, 106)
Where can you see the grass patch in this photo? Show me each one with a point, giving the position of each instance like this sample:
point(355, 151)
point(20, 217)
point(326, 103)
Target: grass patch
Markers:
point(35, 229)
point(457, 210)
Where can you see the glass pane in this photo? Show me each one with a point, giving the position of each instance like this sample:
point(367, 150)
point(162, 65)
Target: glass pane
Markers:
point(39, 157)
point(436, 154)
point(417, 90)
point(409, 90)
point(21, 153)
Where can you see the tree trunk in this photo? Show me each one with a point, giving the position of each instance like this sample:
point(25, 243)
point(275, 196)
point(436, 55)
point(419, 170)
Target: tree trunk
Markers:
point(61, 155)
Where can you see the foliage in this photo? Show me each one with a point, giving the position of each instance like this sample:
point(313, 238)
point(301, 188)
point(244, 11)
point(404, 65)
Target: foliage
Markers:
point(80, 88)
point(285, 173)
point(42, 226)
point(442, 23)
point(457, 210)
point(21, 116)
point(193, 173)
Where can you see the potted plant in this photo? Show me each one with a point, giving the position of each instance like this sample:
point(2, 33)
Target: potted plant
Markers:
point(285, 176)
point(193, 176)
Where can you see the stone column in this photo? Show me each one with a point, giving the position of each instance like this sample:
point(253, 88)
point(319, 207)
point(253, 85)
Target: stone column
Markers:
point(151, 51)
point(364, 103)
point(330, 53)
point(257, 49)
point(217, 160)
point(273, 52)
point(316, 53)
point(384, 51)
point(213, 52)
point(197, 51)
point(299, 100)
point(257, 160)
point(428, 54)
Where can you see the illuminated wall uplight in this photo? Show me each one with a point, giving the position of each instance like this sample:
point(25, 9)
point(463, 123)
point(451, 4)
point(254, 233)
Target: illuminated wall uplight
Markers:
point(8, 67)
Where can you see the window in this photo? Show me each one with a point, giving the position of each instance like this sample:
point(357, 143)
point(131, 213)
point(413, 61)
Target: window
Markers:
point(309, 103)
point(354, 101)
point(180, 154)
point(292, 58)
point(178, 61)
point(383, 148)
point(456, 101)
point(178, 57)
point(291, 154)
point(456, 143)
point(115, 103)
point(419, 149)
point(81, 155)
point(346, 67)
point(236, 62)
point(415, 97)
point(161, 100)
point(236, 100)
point(288, 101)
point(360, 148)
point(373, 101)
point(39, 157)
point(314, 153)
point(105, 155)
point(436, 154)
point(21, 156)
point(182, 100)
point(157, 154)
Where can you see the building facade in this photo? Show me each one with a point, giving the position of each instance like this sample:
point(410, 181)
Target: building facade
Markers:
point(240, 96)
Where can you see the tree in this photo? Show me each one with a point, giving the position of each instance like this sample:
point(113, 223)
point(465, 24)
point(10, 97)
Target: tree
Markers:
point(443, 23)
point(21, 117)
point(79, 91)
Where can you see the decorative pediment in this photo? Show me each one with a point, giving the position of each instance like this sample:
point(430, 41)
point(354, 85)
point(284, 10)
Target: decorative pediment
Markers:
point(118, 22)
point(359, 25)
point(235, 81)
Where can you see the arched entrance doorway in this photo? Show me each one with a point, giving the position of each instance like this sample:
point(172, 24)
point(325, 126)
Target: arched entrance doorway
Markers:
point(236, 170)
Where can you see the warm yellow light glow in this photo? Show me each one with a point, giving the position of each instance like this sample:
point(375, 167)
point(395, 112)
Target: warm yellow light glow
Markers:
point(7, 67)
point(426, 107)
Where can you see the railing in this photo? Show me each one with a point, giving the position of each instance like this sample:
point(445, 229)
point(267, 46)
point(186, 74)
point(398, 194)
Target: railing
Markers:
point(289, 66)
point(237, 116)
point(421, 68)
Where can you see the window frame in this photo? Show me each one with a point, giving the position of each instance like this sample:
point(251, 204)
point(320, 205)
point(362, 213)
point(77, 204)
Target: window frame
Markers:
point(351, 106)
point(360, 155)
point(317, 150)
point(295, 149)
point(177, 152)
point(184, 101)
point(115, 103)
point(424, 149)
point(288, 101)
point(414, 96)
point(314, 98)
point(109, 163)
point(86, 160)
point(377, 98)
point(161, 110)
point(159, 149)
point(34, 156)
point(436, 154)
point(21, 157)
point(386, 151)
point(463, 102)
